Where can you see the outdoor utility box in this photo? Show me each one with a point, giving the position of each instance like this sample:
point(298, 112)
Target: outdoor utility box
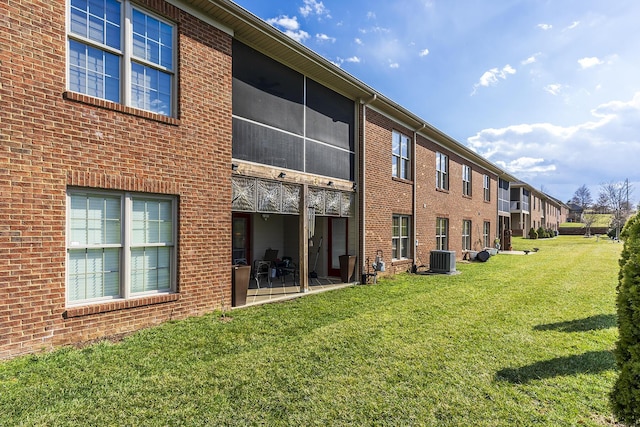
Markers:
point(442, 262)
point(347, 267)
point(240, 275)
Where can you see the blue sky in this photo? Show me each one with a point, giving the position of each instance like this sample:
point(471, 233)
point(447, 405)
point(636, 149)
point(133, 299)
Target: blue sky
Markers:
point(549, 90)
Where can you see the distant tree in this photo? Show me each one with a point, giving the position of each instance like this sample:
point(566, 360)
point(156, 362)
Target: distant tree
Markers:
point(582, 197)
point(601, 205)
point(625, 396)
point(615, 195)
point(588, 218)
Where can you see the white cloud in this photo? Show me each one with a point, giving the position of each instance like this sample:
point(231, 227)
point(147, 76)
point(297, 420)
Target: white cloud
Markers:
point(394, 65)
point(530, 60)
point(353, 59)
point(284, 22)
point(314, 7)
point(371, 15)
point(564, 157)
point(544, 27)
point(553, 89)
point(376, 29)
point(424, 52)
point(490, 78)
point(527, 165)
point(358, 41)
point(299, 36)
point(573, 25)
point(589, 62)
point(325, 38)
point(290, 26)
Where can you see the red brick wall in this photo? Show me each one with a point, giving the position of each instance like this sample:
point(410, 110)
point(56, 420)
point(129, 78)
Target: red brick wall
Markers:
point(50, 140)
point(387, 196)
point(452, 204)
point(536, 213)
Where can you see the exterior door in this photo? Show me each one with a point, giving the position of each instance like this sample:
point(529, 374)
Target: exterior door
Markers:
point(337, 244)
point(241, 238)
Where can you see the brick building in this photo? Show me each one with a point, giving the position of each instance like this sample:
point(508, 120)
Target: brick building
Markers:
point(444, 198)
point(80, 166)
point(144, 150)
point(531, 208)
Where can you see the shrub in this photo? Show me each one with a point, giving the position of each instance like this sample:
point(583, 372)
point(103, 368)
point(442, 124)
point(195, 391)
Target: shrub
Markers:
point(625, 396)
point(533, 234)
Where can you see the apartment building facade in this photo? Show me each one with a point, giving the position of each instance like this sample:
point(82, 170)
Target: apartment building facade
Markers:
point(533, 209)
point(116, 145)
point(148, 145)
point(423, 192)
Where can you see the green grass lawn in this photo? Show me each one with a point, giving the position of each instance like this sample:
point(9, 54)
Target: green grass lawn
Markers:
point(601, 220)
point(572, 225)
point(516, 341)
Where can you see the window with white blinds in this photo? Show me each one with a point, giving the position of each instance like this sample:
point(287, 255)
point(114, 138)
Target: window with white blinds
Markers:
point(119, 245)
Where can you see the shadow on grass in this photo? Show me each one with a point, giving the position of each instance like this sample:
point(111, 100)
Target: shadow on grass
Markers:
point(601, 321)
point(588, 363)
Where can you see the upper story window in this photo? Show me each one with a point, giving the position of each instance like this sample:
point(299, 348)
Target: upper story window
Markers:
point(486, 185)
point(503, 195)
point(122, 54)
point(466, 180)
point(442, 171)
point(525, 200)
point(400, 162)
point(400, 239)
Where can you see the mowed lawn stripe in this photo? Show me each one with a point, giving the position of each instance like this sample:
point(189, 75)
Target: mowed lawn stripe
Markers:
point(518, 340)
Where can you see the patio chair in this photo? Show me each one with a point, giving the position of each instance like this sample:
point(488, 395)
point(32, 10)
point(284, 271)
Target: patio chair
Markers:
point(287, 268)
point(262, 267)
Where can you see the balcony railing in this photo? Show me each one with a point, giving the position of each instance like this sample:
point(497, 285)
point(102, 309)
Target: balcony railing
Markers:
point(519, 206)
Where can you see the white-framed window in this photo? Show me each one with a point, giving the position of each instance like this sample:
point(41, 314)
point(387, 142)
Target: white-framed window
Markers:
point(400, 239)
point(400, 157)
point(119, 245)
point(486, 234)
point(486, 185)
point(466, 235)
point(466, 180)
point(121, 53)
point(442, 171)
point(504, 196)
point(442, 231)
point(525, 200)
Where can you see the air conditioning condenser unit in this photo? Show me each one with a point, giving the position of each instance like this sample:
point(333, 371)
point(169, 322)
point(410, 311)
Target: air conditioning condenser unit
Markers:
point(442, 262)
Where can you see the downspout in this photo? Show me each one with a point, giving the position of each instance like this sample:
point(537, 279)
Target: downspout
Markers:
point(414, 171)
point(501, 232)
point(363, 187)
